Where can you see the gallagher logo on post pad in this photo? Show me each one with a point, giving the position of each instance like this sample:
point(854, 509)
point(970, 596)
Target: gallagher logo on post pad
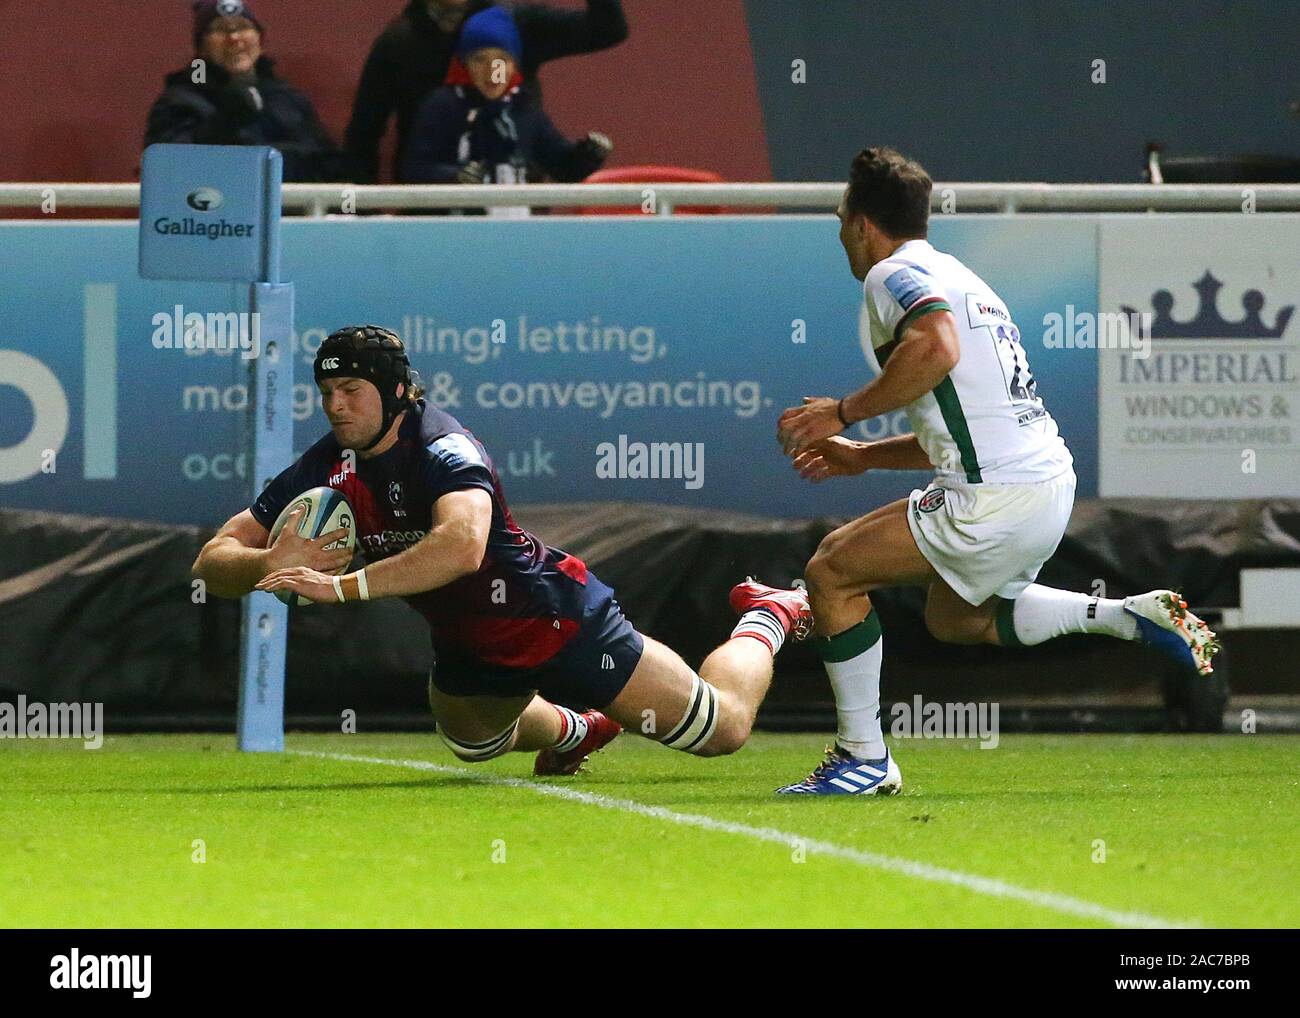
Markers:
point(205, 199)
point(209, 211)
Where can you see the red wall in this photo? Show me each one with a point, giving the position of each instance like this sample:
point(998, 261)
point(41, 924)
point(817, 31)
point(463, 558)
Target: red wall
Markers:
point(77, 80)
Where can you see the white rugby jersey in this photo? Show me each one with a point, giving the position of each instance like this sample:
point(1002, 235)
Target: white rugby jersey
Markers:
point(984, 423)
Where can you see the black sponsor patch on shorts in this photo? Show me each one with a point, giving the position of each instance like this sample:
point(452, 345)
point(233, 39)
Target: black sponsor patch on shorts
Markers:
point(931, 500)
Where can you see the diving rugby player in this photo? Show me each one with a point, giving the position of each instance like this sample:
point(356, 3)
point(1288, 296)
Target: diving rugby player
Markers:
point(945, 349)
point(532, 651)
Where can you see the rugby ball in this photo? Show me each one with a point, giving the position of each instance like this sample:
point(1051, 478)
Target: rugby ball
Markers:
point(326, 510)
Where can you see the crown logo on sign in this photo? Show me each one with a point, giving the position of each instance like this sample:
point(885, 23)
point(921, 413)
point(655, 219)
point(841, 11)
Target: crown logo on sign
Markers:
point(1208, 323)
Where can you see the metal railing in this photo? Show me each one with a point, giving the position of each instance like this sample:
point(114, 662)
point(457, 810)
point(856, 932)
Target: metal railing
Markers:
point(663, 199)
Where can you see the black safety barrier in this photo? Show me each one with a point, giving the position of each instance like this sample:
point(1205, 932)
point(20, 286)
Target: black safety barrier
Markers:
point(97, 609)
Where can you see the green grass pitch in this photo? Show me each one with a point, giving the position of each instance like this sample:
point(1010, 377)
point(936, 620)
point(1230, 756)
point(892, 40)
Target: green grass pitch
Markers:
point(1197, 830)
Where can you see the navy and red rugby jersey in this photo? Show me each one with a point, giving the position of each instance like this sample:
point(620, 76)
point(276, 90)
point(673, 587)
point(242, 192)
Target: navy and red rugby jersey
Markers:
point(523, 604)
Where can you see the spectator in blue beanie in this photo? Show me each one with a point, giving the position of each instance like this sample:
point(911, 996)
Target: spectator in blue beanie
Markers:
point(412, 56)
point(477, 130)
point(231, 96)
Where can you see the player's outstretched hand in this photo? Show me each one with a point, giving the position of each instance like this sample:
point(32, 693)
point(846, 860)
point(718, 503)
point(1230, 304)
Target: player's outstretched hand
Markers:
point(314, 586)
point(800, 426)
point(831, 457)
point(292, 549)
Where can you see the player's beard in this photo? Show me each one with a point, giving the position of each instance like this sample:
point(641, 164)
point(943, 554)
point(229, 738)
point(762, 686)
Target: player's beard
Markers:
point(353, 435)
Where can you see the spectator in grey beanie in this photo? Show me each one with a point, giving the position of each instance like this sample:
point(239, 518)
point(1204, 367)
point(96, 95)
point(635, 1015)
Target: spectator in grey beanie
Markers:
point(412, 56)
point(231, 96)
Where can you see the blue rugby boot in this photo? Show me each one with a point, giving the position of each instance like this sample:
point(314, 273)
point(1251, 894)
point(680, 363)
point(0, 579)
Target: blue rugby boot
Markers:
point(841, 773)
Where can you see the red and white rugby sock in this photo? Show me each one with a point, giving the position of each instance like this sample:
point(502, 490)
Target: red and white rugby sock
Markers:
point(763, 626)
point(573, 729)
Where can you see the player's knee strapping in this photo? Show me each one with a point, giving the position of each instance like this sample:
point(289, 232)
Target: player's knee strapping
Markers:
point(697, 725)
point(477, 752)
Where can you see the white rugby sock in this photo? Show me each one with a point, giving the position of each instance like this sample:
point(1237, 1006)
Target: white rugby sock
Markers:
point(852, 660)
point(573, 729)
point(763, 626)
point(1041, 613)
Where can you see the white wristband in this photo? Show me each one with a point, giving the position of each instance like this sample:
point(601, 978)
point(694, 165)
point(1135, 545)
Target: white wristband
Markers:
point(363, 587)
point(338, 590)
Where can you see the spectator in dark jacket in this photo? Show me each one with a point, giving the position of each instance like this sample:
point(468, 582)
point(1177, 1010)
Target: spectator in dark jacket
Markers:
point(478, 130)
point(232, 97)
point(411, 58)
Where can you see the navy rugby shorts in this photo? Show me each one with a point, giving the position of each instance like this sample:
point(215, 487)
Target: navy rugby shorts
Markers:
point(588, 672)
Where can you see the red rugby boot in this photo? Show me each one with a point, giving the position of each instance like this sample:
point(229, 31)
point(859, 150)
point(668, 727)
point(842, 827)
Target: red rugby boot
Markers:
point(790, 606)
point(600, 733)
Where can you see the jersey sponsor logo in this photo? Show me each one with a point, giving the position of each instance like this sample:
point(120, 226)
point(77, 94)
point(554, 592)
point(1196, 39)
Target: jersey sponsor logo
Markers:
point(906, 287)
point(329, 364)
point(931, 500)
point(982, 312)
point(1029, 416)
point(388, 540)
point(458, 448)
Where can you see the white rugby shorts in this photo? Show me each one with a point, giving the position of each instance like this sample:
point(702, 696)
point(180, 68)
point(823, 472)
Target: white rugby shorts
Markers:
point(987, 539)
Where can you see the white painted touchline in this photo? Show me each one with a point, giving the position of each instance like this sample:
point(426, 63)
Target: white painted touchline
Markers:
point(908, 867)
